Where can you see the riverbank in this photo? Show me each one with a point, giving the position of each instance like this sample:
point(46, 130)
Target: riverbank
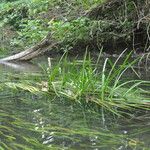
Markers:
point(113, 25)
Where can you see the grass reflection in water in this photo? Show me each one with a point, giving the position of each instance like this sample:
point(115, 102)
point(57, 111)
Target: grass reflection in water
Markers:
point(32, 119)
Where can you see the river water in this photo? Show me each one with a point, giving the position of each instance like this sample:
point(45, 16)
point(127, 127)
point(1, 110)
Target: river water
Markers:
point(30, 121)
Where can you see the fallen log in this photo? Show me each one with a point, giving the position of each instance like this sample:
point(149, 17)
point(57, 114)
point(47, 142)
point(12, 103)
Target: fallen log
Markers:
point(43, 46)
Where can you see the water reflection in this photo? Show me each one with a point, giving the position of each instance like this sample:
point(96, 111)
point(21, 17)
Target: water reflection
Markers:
point(42, 122)
point(19, 66)
point(139, 70)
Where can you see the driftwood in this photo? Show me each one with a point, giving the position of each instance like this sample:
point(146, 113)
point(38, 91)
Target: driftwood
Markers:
point(43, 46)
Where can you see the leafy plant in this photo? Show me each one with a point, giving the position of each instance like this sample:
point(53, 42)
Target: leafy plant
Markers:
point(31, 32)
point(70, 31)
point(13, 13)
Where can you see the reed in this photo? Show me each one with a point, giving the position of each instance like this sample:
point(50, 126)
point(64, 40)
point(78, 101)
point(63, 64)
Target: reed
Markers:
point(84, 82)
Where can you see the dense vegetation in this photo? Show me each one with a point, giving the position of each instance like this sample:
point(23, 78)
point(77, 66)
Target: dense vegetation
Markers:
point(78, 24)
point(32, 19)
point(77, 102)
point(113, 25)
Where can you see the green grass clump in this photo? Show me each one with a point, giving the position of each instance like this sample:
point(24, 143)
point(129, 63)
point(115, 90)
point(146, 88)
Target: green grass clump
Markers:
point(83, 82)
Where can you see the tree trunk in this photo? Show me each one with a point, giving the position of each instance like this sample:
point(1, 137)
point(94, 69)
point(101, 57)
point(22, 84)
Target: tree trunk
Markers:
point(45, 44)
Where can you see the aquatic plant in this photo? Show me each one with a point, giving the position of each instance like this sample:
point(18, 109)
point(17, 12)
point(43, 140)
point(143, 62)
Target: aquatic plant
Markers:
point(36, 122)
point(71, 114)
point(83, 82)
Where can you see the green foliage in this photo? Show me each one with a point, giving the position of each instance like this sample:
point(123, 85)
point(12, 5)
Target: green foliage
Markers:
point(31, 31)
point(70, 31)
point(23, 17)
point(32, 19)
point(84, 29)
point(39, 6)
point(86, 4)
point(84, 83)
point(13, 13)
point(26, 18)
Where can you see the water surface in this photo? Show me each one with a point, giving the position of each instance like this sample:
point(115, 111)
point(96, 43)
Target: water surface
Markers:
point(40, 121)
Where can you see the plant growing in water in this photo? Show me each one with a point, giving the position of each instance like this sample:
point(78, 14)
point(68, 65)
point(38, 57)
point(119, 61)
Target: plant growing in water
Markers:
point(83, 82)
